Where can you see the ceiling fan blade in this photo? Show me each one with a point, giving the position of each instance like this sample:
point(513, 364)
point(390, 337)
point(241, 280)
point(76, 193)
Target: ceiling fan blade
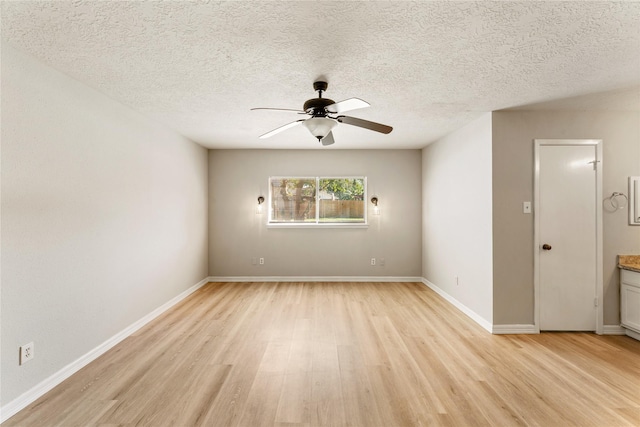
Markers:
point(378, 127)
point(328, 139)
point(281, 128)
point(346, 105)
point(280, 109)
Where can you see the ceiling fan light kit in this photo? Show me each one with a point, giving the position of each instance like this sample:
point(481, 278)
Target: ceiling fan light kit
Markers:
point(322, 118)
point(320, 126)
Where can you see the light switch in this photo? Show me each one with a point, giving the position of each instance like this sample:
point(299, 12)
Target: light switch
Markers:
point(526, 207)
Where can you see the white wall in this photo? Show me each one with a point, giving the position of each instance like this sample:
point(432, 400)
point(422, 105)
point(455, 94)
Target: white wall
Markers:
point(237, 234)
point(104, 219)
point(457, 216)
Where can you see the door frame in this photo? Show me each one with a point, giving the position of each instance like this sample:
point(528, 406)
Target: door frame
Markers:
point(599, 291)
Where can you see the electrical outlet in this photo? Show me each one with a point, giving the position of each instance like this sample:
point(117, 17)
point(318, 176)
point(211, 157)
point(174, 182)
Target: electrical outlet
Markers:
point(261, 261)
point(381, 262)
point(526, 207)
point(26, 353)
point(373, 261)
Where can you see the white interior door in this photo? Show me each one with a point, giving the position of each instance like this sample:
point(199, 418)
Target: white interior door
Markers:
point(567, 237)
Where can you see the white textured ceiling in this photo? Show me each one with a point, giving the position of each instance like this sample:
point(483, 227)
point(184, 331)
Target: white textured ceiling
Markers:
point(426, 68)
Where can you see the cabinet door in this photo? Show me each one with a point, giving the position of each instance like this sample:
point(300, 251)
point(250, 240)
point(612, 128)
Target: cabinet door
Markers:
point(630, 306)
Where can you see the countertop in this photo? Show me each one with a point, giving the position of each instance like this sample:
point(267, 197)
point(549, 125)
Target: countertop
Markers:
point(629, 262)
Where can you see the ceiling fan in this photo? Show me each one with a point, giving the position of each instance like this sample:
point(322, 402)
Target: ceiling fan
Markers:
point(324, 114)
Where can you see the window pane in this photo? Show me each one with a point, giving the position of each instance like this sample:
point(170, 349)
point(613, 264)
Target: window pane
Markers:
point(293, 199)
point(341, 200)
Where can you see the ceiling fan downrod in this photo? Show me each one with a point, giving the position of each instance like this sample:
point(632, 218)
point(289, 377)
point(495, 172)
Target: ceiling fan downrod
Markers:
point(317, 106)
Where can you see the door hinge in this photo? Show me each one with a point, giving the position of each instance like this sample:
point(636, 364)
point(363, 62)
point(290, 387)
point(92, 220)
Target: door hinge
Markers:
point(594, 163)
point(595, 301)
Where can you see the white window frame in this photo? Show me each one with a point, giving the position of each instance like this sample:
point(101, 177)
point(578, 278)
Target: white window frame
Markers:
point(318, 224)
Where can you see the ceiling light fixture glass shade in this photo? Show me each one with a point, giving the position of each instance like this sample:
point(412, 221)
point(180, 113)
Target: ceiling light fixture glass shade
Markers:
point(320, 126)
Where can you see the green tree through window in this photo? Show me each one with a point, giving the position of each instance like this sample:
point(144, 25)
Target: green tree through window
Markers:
point(317, 200)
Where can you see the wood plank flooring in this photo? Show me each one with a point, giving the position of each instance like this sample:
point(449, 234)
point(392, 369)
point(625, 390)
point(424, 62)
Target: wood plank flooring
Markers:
point(343, 354)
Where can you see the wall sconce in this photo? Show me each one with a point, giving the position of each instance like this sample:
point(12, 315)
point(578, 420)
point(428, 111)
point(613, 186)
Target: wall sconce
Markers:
point(260, 202)
point(376, 209)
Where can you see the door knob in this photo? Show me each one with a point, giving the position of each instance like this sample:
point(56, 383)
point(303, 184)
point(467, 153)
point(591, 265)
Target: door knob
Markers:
point(546, 247)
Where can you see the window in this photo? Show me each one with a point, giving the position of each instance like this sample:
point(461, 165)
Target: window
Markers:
point(317, 200)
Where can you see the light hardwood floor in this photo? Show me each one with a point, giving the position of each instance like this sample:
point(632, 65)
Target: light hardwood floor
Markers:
point(343, 354)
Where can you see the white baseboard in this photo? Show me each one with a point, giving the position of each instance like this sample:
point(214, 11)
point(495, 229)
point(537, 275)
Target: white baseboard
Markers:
point(514, 329)
point(31, 395)
point(632, 334)
point(314, 279)
point(613, 330)
point(463, 308)
point(531, 329)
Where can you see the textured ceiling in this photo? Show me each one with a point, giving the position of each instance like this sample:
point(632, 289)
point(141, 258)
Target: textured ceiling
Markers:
point(426, 68)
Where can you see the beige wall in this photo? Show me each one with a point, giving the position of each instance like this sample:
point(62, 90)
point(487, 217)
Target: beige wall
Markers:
point(513, 135)
point(456, 205)
point(104, 219)
point(237, 234)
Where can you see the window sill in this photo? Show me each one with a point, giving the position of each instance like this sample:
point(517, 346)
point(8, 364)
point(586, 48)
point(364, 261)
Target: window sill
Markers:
point(314, 225)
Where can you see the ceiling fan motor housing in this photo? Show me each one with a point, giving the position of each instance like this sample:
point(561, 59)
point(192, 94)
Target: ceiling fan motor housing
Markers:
point(316, 106)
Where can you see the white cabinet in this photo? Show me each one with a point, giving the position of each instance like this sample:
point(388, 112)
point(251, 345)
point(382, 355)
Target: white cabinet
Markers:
point(630, 302)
